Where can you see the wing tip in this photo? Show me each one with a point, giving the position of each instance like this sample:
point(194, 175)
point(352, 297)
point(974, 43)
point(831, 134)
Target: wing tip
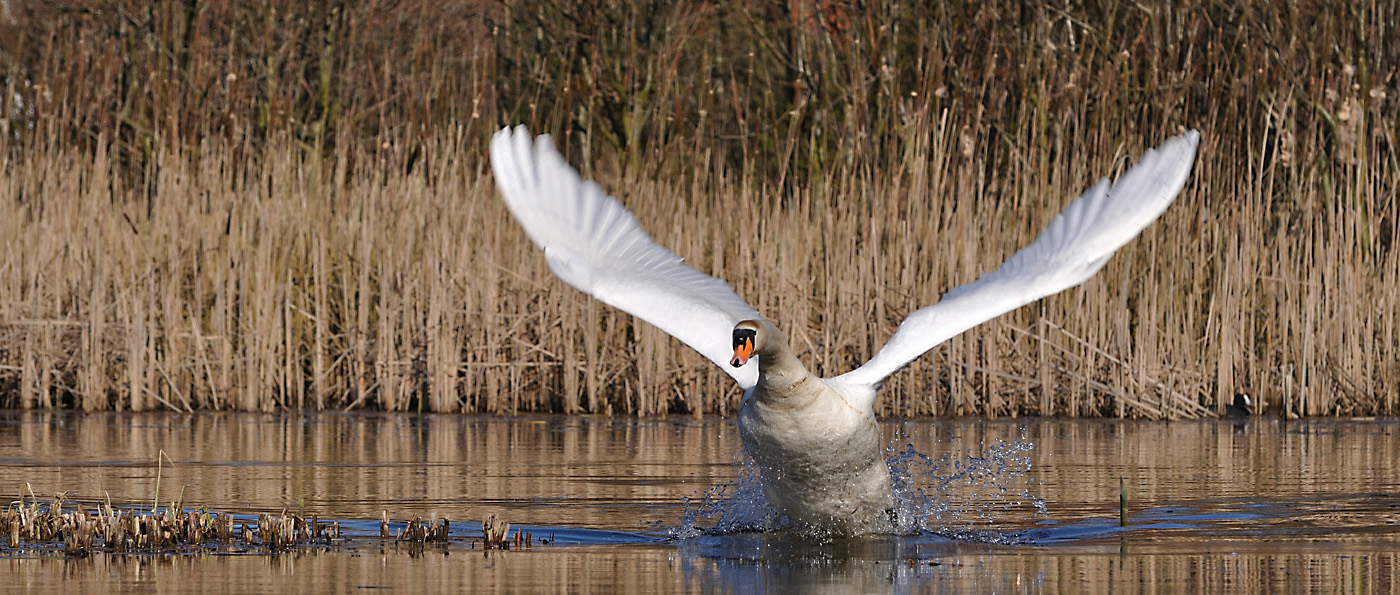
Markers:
point(1183, 145)
point(512, 147)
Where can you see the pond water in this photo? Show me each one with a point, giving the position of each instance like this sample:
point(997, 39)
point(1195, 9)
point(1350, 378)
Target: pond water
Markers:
point(1246, 505)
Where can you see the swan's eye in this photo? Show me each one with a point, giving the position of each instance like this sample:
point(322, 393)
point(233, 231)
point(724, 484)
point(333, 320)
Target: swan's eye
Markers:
point(743, 337)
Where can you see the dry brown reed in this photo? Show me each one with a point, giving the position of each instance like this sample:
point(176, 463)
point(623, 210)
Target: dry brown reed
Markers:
point(80, 529)
point(209, 206)
point(495, 534)
point(32, 523)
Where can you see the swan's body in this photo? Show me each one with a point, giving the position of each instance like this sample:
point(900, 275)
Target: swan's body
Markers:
point(814, 440)
point(815, 443)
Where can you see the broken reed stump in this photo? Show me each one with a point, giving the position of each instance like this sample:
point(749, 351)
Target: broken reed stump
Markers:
point(419, 531)
point(495, 532)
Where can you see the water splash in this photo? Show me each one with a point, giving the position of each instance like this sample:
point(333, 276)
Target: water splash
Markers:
point(736, 507)
point(963, 495)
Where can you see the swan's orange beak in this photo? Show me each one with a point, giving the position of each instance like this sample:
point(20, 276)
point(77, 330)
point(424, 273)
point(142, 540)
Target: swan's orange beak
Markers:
point(743, 350)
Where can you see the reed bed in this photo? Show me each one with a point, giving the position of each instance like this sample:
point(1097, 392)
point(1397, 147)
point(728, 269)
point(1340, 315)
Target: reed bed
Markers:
point(208, 206)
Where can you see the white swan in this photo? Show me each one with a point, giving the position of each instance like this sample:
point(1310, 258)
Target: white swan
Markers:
point(814, 440)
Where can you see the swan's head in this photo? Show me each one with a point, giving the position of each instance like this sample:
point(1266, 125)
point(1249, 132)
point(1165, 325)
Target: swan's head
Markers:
point(745, 341)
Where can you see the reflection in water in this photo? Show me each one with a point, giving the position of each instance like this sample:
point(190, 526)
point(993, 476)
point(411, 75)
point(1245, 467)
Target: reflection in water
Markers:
point(626, 569)
point(741, 562)
point(597, 473)
point(1254, 506)
point(899, 565)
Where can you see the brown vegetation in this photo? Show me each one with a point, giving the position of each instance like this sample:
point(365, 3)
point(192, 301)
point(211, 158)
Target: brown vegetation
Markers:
point(30, 523)
point(270, 205)
point(82, 528)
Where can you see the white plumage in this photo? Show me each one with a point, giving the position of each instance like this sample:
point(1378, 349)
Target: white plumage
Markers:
point(814, 440)
point(594, 244)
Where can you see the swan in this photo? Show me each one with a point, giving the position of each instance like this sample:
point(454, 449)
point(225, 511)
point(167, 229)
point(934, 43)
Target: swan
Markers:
point(814, 440)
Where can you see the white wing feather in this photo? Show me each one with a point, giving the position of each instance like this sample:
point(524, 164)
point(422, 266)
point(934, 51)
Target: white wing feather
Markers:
point(1072, 248)
point(594, 244)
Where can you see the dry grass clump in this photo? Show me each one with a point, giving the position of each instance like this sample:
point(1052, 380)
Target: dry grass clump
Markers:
point(286, 205)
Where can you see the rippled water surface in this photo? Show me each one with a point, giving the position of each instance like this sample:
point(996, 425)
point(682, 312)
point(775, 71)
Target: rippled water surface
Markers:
point(630, 505)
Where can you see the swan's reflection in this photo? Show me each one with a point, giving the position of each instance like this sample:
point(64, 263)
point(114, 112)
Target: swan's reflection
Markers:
point(788, 563)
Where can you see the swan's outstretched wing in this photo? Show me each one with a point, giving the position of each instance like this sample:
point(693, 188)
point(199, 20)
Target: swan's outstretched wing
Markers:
point(594, 244)
point(1072, 248)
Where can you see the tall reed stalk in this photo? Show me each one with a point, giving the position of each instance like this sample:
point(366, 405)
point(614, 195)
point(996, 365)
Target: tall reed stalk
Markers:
point(287, 205)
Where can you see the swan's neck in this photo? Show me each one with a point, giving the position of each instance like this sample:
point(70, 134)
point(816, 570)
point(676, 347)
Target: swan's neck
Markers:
point(781, 368)
point(781, 376)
